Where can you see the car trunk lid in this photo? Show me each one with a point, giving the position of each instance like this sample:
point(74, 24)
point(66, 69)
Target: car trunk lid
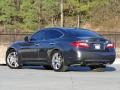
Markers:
point(95, 44)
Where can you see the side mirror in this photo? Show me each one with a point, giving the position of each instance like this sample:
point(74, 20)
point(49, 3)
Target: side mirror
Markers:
point(26, 39)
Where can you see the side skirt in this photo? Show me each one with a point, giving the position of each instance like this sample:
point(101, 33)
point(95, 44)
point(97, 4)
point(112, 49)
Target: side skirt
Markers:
point(35, 62)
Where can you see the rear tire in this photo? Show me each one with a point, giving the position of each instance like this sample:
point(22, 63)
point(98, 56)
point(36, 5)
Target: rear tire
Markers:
point(12, 60)
point(57, 62)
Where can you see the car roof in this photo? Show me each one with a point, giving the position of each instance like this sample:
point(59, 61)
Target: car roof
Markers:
point(65, 29)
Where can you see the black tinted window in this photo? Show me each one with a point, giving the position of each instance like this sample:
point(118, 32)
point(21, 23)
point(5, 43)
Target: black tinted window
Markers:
point(82, 33)
point(40, 35)
point(53, 34)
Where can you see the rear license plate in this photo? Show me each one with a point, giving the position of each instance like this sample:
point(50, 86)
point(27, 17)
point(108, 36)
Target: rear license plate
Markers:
point(97, 46)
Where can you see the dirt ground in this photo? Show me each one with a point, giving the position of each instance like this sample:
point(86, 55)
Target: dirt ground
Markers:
point(3, 49)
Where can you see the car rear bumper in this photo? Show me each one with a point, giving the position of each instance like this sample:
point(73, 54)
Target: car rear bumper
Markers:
point(92, 58)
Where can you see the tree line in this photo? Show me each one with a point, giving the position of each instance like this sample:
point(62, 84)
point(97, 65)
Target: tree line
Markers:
point(29, 15)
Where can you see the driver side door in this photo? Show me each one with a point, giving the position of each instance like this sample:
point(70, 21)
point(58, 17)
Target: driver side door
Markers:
point(30, 49)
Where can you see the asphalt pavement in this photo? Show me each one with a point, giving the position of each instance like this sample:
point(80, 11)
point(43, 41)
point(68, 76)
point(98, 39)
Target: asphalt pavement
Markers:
point(76, 78)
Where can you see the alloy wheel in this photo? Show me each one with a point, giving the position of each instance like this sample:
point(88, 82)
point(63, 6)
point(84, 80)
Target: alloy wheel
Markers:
point(56, 61)
point(12, 60)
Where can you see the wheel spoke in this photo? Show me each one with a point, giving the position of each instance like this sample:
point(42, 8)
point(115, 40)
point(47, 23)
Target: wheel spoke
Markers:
point(16, 64)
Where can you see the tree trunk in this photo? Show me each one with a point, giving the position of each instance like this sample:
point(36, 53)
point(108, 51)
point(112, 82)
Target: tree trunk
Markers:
point(39, 6)
point(62, 14)
point(78, 21)
point(17, 4)
point(52, 21)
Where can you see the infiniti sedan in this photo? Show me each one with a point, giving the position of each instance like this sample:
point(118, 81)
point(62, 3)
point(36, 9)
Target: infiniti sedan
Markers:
point(59, 48)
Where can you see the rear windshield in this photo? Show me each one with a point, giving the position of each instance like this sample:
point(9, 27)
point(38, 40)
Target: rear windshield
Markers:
point(82, 33)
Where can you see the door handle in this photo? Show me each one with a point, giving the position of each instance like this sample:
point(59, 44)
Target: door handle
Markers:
point(52, 43)
point(37, 44)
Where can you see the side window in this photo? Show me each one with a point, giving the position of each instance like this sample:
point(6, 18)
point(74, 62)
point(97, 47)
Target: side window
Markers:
point(40, 35)
point(53, 34)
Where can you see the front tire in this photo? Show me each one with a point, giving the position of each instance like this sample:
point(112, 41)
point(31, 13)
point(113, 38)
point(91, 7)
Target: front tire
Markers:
point(12, 60)
point(57, 62)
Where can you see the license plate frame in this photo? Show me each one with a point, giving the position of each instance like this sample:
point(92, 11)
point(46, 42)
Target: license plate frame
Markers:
point(97, 46)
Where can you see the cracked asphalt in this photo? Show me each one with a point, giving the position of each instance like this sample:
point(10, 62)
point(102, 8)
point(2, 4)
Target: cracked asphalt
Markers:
point(76, 78)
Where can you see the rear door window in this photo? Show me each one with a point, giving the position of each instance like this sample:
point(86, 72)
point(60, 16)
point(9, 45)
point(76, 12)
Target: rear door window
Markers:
point(53, 34)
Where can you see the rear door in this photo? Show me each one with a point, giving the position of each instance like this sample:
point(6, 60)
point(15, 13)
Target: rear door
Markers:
point(51, 38)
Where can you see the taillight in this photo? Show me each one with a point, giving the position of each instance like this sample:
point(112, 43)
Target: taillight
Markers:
point(110, 45)
point(79, 44)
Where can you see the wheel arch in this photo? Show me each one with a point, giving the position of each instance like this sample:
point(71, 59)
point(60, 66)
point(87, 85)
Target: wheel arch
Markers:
point(52, 52)
point(10, 49)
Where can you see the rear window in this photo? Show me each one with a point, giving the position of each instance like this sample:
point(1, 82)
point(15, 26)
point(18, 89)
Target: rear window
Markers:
point(82, 33)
